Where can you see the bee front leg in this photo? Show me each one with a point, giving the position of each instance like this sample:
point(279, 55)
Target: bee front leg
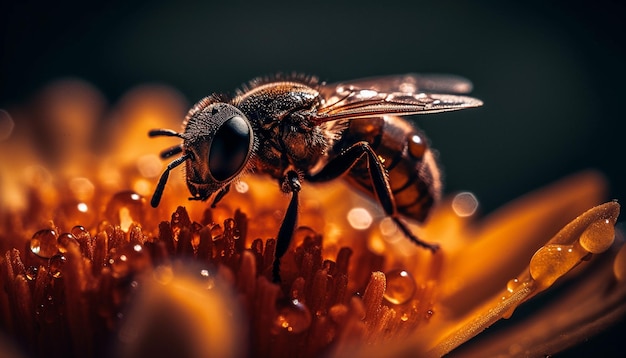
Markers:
point(380, 182)
point(288, 226)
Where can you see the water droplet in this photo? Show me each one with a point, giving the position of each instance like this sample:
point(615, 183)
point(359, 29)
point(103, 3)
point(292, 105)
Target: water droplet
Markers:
point(553, 261)
point(76, 213)
point(31, 272)
point(80, 233)
point(55, 265)
point(598, 236)
point(44, 243)
point(512, 285)
point(293, 317)
point(65, 240)
point(429, 314)
point(124, 208)
point(401, 287)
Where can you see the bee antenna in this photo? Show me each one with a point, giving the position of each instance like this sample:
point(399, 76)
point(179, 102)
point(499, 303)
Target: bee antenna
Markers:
point(158, 192)
point(164, 133)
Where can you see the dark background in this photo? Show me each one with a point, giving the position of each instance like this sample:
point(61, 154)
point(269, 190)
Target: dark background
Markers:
point(552, 74)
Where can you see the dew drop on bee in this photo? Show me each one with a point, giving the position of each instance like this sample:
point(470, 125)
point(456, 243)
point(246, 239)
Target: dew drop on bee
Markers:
point(296, 129)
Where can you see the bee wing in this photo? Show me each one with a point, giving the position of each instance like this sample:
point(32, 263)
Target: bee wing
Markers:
point(387, 95)
point(407, 83)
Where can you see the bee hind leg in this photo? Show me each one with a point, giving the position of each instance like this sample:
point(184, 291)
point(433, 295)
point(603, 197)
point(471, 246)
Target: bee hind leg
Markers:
point(380, 182)
point(405, 230)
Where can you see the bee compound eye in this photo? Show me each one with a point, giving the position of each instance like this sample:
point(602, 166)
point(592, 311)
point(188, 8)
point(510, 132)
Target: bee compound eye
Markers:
point(230, 148)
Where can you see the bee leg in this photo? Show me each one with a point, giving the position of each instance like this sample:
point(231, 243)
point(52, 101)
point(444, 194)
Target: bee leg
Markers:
point(158, 192)
point(164, 133)
point(288, 226)
point(405, 230)
point(380, 182)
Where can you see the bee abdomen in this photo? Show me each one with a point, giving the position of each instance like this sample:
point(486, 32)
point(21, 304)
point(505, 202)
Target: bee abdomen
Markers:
point(412, 169)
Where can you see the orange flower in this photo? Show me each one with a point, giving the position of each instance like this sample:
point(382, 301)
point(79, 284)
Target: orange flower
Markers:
point(91, 270)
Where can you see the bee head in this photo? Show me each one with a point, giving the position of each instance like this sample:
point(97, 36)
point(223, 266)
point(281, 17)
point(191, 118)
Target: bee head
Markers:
point(218, 142)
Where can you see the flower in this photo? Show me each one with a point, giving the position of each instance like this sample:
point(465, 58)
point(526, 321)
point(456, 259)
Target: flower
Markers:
point(90, 270)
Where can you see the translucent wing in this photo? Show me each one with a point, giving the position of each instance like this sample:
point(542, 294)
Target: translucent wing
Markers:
point(394, 95)
point(407, 83)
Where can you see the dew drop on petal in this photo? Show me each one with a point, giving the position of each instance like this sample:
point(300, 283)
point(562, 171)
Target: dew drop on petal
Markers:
point(598, 236)
point(44, 243)
point(512, 285)
point(293, 317)
point(80, 233)
point(65, 240)
point(401, 287)
point(55, 265)
point(76, 213)
point(553, 261)
point(124, 208)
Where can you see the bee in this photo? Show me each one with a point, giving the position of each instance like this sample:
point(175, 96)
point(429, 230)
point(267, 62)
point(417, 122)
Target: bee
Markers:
point(296, 129)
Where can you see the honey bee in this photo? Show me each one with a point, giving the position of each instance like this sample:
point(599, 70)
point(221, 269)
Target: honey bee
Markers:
point(296, 129)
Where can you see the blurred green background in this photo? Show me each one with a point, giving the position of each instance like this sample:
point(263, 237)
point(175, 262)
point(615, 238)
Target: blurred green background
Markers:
point(552, 74)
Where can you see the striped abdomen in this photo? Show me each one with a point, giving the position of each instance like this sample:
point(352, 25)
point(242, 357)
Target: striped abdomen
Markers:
point(413, 172)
